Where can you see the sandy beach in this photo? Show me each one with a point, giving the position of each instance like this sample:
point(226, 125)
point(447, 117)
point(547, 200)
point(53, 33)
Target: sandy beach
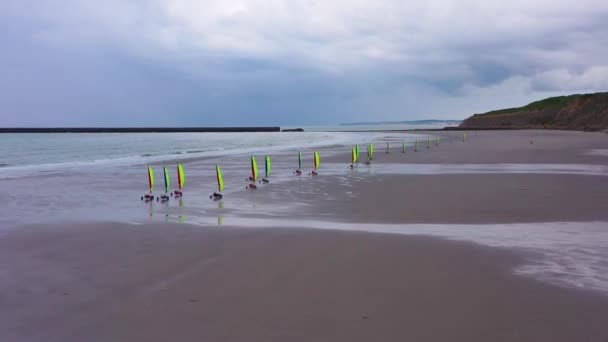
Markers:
point(117, 282)
point(154, 279)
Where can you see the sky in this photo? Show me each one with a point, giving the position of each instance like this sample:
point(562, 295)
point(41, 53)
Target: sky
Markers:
point(290, 62)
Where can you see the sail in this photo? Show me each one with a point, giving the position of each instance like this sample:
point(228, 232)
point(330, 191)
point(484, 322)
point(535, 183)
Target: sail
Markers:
point(267, 166)
point(151, 178)
point(220, 178)
point(353, 157)
point(357, 153)
point(404, 146)
point(254, 168)
point(181, 179)
point(370, 151)
point(317, 160)
point(167, 179)
point(299, 160)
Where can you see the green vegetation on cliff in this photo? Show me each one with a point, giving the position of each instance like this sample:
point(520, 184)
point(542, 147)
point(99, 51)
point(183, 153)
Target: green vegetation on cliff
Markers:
point(576, 112)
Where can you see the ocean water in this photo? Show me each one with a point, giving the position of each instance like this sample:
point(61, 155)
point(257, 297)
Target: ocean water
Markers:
point(378, 127)
point(27, 154)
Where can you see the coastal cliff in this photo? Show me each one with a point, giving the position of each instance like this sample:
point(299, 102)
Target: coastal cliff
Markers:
point(588, 112)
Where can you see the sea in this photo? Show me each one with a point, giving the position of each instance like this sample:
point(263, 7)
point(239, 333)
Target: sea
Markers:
point(27, 154)
point(62, 178)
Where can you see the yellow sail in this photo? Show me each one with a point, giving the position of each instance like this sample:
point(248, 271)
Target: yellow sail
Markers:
point(317, 160)
point(220, 178)
point(181, 178)
point(254, 168)
point(151, 178)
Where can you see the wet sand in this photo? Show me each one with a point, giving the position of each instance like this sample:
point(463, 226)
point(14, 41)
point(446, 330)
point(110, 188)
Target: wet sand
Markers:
point(156, 281)
point(163, 282)
point(504, 147)
point(474, 199)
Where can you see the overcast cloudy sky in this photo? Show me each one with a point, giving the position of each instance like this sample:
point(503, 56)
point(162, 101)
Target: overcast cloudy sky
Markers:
point(290, 62)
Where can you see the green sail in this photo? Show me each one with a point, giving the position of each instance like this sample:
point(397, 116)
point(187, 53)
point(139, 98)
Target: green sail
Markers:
point(299, 160)
point(167, 180)
point(220, 178)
